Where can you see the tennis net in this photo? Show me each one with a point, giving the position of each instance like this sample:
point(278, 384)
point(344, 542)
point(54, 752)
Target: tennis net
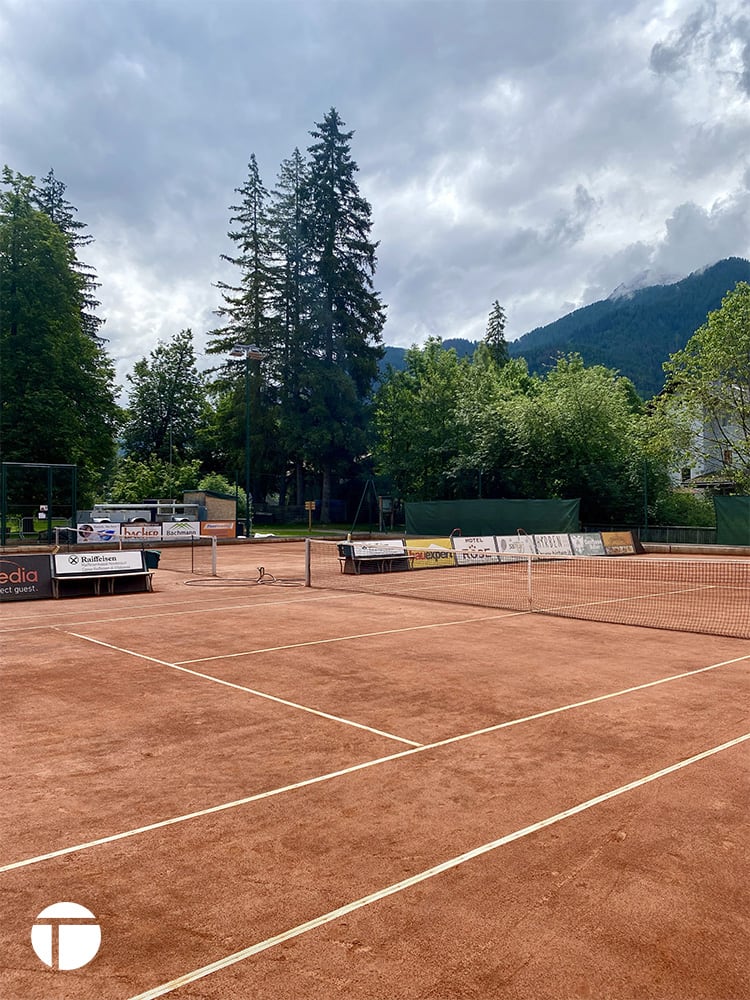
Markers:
point(710, 596)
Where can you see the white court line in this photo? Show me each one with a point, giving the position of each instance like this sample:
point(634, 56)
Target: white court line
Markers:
point(423, 876)
point(192, 611)
point(358, 635)
point(270, 793)
point(95, 611)
point(248, 690)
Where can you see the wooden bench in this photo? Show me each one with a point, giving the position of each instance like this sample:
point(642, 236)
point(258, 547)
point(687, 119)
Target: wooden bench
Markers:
point(375, 562)
point(108, 579)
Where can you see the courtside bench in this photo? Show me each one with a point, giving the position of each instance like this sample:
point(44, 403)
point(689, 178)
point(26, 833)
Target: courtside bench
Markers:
point(356, 558)
point(111, 572)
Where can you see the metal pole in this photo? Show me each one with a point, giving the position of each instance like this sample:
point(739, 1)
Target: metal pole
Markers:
point(247, 444)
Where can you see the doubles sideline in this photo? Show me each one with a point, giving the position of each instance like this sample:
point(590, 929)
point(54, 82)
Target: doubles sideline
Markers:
point(428, 873)
point(270, 793)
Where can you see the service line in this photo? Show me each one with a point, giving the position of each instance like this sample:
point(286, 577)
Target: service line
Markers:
point(270, 793)
point(423, 876)
point(357, 635)
point(242, 687)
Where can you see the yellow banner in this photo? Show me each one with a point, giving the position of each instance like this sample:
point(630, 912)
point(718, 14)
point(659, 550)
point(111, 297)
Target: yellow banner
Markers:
point(618, 543)
point(430, 553)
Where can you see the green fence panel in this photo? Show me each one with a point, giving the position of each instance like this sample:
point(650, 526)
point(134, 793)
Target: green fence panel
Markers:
point(492, 517)
point(732, 520)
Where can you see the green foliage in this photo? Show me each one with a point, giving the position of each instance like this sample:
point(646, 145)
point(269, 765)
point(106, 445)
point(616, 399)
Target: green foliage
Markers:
point(168, 405)
point(415, 419)
point(136, 480)
point(450, 428)
point(682, 507)
point(58, 404)
point(708, 385)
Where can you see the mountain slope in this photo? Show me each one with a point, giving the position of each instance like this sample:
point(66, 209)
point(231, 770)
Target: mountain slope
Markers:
point(635, 332)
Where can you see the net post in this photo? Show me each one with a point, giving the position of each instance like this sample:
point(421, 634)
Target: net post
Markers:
point(214, 554)
point(529, 590)
point(308, 582)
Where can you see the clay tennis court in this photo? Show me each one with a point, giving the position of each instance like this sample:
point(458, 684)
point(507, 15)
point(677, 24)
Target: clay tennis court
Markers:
point(271, 791)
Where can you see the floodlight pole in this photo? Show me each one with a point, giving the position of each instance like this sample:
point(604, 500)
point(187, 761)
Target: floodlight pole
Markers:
point(248, 352)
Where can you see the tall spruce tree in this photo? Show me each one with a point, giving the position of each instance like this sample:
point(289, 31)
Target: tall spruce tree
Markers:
point(347, 315)
point(49, 197)
point(249, 317)
point(494, 336)
point(291, 306)
point(57, 382)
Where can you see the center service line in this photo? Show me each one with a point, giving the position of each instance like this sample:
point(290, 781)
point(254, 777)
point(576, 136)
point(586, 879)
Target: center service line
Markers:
point(407, 883)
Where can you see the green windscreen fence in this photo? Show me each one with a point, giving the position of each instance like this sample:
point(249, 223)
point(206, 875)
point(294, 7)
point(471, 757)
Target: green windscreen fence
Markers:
point(732, 520)
point(492, 517)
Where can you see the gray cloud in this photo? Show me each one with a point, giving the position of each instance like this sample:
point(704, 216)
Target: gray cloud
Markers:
point(540, 153)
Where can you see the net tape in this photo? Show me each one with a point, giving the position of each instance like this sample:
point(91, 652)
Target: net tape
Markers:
point(709, 596)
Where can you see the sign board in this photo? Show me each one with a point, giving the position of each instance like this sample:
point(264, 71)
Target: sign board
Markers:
point(378, 548)
point(474, 550)
point(588, 543)
point(618, 543)
point(25, 578)
point(309, 505)
point(553, 545)
point(515, 545)
point(99, 563)
point(97, 532)
point(180, 529)
point(143, 532)
point(219, 529)
point(430, 553)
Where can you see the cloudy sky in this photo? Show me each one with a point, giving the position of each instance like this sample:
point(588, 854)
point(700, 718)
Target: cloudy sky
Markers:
point(535, 152)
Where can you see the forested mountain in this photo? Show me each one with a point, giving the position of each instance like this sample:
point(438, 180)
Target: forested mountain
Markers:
point(635, 332)
point(632, 331)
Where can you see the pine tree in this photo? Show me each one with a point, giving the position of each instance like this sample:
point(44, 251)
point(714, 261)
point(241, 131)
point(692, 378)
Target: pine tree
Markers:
point(347, 316)
point(49, 197)
point(494, 336)
point(249, 319)
point(58, 383)
point(291, 305)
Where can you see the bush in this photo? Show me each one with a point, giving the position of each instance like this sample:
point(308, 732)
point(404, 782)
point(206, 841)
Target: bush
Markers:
point(683, 507)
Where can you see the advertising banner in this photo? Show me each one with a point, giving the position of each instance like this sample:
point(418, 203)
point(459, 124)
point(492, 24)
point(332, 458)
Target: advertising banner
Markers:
point(618, 543)
point(430, 553)
point(587, 543)
point(181, 529)
point(379, 547)
point(515, 545)
point(475, 549)
point(553, 545)
point(142, 532)
point(81, 564)
point(219, 529)
point(25, 578)
point(97, 532)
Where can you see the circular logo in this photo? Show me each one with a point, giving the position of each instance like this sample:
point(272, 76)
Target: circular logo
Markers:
point(66, 936)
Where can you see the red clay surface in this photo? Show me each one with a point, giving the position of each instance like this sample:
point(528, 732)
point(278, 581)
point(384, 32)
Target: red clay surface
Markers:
point(124, 712)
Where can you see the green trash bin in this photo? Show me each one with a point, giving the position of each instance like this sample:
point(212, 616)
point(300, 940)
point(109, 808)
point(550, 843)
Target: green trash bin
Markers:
point(152, 558)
